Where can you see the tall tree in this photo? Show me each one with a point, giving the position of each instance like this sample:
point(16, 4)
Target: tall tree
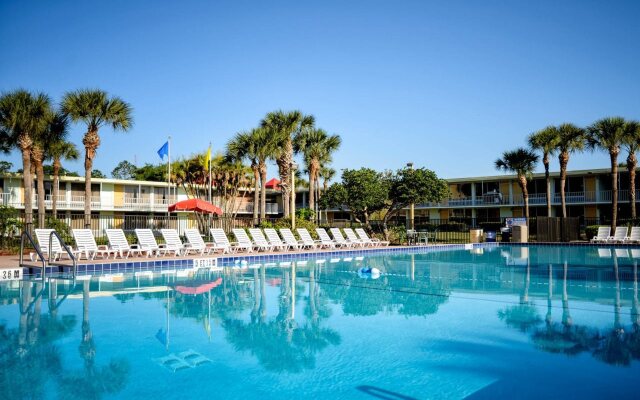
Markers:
point(521, 162)
point(22, 116)
point(124, 170)
point(54, 132)
point(327, 175)
point(96, 109)
point(631, 143)
point(317, 147)
point(545, 141)
point(59, 150)
point(607, 134)
point(266, 149)
point(283, 126)
point(243, 147)
point(570, 139)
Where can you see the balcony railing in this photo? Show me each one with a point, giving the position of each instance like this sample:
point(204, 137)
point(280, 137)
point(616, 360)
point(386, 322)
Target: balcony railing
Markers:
point(603, 196)
point(271, 208)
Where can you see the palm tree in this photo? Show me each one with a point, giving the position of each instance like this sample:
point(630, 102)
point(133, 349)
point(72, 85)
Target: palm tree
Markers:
point(96, 109)
point(570, 139)
point(327, 174)
point(283, 126)
point(522, 162)
point(60, 150)
point(22, 116)
point(631, 143)
point(266, 149)
point(241, 147)
point(316, 146)
point(608, 134)
point(545, 141)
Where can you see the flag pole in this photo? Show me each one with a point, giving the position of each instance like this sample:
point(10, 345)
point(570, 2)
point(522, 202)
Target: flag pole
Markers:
point(169, 168)
point(210, 198)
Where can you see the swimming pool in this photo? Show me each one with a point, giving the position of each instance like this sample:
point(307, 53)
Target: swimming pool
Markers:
point(500, 321)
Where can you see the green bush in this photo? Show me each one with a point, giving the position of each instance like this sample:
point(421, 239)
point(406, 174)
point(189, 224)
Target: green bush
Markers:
point(397, 235)
point(10, 227)
point(286, 223)
point(61, 227)
point(590, 231)
point(306, 214)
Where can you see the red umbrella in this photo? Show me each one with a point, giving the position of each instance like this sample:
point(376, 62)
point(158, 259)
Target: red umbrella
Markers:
point(196, 205)
point(204, 288)
point(272, 184)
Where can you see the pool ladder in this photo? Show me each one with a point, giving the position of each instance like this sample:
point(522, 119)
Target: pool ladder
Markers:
point(46, 262)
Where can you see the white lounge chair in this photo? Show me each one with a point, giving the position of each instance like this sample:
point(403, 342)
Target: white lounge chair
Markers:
point(86, 245)
point(118, 241)
point(602, 235)
point(198, 244)
point(339, 239)
point(262, 242)
point(353, 238)
point(222, 241)
point(244, 240)
point(307, 240)
point(619, 235)
point(172, 240)
point(373, 241)
point(296, 244)
point(147, 241)
point(634, 235)
point(325, 240)
point(275, 241)
point(57, 252)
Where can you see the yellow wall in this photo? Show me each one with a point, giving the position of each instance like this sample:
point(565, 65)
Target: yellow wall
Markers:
point(444, 214)
point(504, 189)
point(118, 195)
point(590, 184)
point(453, 189)
point(590, 211)
point(518, 212)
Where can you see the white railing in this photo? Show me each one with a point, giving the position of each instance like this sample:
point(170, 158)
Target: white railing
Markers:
point(270, 208)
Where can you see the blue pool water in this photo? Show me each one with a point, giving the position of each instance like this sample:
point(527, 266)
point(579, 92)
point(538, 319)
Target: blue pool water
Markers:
point(511, 322)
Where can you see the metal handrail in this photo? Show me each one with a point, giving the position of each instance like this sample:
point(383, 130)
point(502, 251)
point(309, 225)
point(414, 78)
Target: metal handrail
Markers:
point(65, 247)
point(37, 249)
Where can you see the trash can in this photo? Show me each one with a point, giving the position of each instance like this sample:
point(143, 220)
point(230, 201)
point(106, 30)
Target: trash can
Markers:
point(520, 233)
point(490, 236)
point(475, 235)
point(505, 234)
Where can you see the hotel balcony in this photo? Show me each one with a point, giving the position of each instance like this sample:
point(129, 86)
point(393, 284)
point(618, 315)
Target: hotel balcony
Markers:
point(493, 200)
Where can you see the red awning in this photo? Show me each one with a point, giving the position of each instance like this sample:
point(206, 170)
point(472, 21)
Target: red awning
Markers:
point(196, 205)
point(273, 184)
point(204, 288)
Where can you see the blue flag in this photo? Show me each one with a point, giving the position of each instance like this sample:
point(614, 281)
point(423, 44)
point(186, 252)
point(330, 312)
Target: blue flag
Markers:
point(164, 150)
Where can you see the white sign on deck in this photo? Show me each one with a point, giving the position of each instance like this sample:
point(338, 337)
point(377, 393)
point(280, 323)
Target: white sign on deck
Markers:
point(205, 263)
point(10, 274)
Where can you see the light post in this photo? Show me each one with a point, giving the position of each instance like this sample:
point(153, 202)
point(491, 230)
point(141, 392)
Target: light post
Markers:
point(292, 196)
point(411, 206)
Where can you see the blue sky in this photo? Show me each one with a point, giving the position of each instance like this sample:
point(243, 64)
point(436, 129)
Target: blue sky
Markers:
point(448, 85)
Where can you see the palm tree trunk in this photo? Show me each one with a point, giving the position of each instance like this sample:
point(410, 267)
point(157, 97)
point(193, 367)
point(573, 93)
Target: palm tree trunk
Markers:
point(522, 181)
point(263, 191)
point(40, 184)
point(545, 161)
point(613, 154)
point(313, 172)
point(564, 160)
point(632, 163)
point(91, 141)
point(256, 192)
point(25, 144)
point(284, 165)
point(56, 189)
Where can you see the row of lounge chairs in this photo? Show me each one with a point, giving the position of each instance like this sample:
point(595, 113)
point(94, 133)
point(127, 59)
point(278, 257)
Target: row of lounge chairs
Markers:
point(621, 235)
point(147, 246)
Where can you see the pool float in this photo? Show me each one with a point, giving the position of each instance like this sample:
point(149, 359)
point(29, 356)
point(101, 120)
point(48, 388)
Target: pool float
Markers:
point(369, 273)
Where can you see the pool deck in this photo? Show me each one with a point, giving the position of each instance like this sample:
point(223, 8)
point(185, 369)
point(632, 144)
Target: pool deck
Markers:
point(14, 260)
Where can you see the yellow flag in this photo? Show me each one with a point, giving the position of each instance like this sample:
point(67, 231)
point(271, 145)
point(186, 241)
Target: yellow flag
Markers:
point(207, 159)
